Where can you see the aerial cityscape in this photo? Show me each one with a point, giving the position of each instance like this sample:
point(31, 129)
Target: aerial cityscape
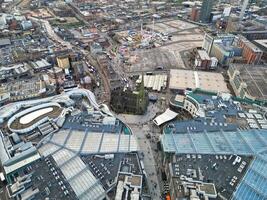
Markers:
point(133, 100)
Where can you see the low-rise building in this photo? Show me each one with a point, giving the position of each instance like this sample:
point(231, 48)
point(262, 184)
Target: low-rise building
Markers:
point(96, 48)
point(98, 157)
point(262, 44)
point(202, 60)
point(225, 53)
point(13, 72)
point(181, 80)
point(4, 42)
point(41, 65)
point(248, 81)
point(24, 89)
point(26, 24)
point(232, 161)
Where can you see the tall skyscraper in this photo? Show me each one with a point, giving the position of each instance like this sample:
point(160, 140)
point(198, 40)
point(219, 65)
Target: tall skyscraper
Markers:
point(244, 7)
point(206, 11)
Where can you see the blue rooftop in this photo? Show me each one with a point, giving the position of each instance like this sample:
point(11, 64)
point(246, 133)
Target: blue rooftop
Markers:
point(84, 122)
point(199, 125)
point(216, 110)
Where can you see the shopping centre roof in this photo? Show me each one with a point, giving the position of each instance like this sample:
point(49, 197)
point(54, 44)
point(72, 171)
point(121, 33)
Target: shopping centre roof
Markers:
point(245, 143)
point(85, 142)
point(250, 142)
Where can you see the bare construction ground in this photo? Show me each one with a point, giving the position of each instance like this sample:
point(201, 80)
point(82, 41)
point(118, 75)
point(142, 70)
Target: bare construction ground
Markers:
point(171, 27)
point(185, 36)
point(167, 56)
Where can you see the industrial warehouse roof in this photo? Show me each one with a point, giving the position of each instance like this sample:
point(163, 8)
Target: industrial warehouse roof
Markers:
point(250, 142)
point(189, 79)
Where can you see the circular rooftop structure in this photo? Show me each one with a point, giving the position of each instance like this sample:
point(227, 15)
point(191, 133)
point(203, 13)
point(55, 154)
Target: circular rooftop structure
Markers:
point(30, 118)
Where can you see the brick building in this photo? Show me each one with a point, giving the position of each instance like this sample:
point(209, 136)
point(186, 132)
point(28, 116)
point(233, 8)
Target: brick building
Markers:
point(251, 53)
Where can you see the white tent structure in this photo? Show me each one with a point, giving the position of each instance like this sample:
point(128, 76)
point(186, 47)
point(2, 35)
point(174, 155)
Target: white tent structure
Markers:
point(165, 117)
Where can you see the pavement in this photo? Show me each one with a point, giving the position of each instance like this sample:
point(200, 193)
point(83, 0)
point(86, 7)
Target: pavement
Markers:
point(151, 113)
point(3, 192)
point(140, 126)
point(150, 163)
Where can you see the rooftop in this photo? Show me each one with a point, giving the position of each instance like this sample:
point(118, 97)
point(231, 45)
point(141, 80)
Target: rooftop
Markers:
point(86, 142)
point(211, 174)
point(189, 79)
point(255, 77)
point(4, 41)
point(262, 43)
point(203, 55)
point(107, 167)
point(95, 122)
point(247, 142)
point(250, 143)
point(214, 112)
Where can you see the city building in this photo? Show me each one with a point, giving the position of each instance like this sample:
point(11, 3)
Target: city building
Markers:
point(207, 42)
point(26, 24)
point(156, 82)
point(244, 7)
point(255, 35)
point(210, 40)
point(251, 53)
point(4, 42)
point(210, 111)
point(262, 44)
point(248, 81)
point(233, 24)
point(195, 13)
point(63, 62)
point(205, 13)
point(225, 53)
point(40, 65)
point(182, 80)
point(96, 48)
point(15, 71)
point(227, 47)
point(25, 89)
point(204, 61)
point(233, 161)
point(72, 141)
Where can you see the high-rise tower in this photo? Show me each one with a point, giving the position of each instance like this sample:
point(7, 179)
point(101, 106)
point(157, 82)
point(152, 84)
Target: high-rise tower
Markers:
point(244, 7)
point(206, 11)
